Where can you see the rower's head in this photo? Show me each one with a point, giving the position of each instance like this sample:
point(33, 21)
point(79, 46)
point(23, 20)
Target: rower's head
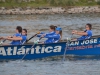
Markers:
point(88, 26)
point(24, 32)
point(52, 28)
point(59, 31)
point(19, 29)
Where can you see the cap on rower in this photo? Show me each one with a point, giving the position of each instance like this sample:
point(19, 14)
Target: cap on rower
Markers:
point(58, 29)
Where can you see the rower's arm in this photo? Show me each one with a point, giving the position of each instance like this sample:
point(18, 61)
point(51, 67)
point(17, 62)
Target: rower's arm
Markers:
point(39, 35)
point(15, 38)
point(52, 36)
point(42, 32)
point(81, 33)
point(50, 33)
point(1, 38)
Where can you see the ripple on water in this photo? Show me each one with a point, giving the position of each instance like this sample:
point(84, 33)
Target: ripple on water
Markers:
point(35, 23)
point(31, 67)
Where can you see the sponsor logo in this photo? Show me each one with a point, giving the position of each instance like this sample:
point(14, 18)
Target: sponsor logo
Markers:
point(21, 51)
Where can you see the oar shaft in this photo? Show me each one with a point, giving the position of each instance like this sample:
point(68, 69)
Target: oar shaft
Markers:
point(31, 48)
point(67, 45)
point(2, 42)
point(72, 36)
point(31, 37)
point(65, 50)
point(27, 52)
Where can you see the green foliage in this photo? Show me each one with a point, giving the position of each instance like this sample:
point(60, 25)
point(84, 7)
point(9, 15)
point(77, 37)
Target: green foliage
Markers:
point(70, 3)
point(45, 3)
point(98, 2)
point(61, 2)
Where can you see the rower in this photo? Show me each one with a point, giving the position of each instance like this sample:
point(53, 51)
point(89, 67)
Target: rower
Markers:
point(51, 32)
point(87, 34)
point(22, 38)
point(16, 35)
point(55, 37)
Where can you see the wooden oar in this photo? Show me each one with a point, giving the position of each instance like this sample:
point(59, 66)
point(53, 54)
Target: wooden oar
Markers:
point(68, 41)
point(95, 36)
point(32, 37)
point(2, 41)
point(31, 47)
point(71, 36)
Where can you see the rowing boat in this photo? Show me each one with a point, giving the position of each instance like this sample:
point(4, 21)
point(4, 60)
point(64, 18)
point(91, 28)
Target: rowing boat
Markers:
point(83, 47)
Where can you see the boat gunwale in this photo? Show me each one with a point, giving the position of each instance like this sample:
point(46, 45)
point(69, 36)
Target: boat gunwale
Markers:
point(62, 41)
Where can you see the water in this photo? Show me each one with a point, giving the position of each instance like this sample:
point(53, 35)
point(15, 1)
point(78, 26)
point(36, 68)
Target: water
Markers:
point(52, 65)
point(35, 23)
point(78, 67)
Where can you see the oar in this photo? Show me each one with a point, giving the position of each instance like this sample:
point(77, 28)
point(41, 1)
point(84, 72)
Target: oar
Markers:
point(28, 39)
point(2, 42)
point(95, 36)
point(32, 37)
point(68, 41)
point(71, 36)
point(31, 48)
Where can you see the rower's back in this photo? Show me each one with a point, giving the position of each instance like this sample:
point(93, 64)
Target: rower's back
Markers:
point(17, 34)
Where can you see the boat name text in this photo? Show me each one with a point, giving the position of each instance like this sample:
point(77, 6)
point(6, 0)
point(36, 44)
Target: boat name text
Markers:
point(21, 51)
point(85, 42)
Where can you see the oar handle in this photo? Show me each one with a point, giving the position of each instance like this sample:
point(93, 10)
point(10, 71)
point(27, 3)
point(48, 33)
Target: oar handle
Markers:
point(72, 36)
point(4, 40)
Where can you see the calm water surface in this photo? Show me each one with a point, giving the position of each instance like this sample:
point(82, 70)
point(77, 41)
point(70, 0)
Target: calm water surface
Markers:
point(35, 23)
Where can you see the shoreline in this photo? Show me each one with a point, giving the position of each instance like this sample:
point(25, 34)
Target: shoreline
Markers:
point(49, 10)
